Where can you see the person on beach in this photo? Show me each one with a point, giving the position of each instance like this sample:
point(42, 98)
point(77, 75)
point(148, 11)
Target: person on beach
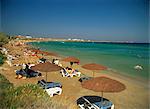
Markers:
point(23, 72)
point(26, 72)
point(55, 61)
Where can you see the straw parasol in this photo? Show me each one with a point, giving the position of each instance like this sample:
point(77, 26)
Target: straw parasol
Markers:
point(43, 52)
point(71, 59)
point(93, 67)
point(103, 84)
point(46, 67)
point(51, 53)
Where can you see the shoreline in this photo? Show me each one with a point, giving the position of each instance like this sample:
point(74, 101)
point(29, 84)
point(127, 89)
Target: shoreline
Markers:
point(112, 71)
point(137, 78)
point(81, 40)
point(132, 93)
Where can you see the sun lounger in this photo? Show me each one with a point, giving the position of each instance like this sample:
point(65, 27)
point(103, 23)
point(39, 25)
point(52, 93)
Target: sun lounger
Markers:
point(94, 102)
point(46, 85)
point(42, 60)
point(66, 74)
point(55, 61)
point(21, 72)
point(76, 73)
point(84, 78)
point(52, 88)
point(54, 91)
point(29, 73)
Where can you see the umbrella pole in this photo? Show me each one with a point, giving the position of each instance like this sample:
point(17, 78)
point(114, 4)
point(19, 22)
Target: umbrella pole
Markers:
point(46, 76)
point(71, 64)
point(93, 73)
point(102, 99)
point(46, 80)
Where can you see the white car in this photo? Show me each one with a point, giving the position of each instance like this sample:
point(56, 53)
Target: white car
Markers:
point(54, 91)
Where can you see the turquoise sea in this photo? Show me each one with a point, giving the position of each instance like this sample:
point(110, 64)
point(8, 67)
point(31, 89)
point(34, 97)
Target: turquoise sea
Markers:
point(121, 57)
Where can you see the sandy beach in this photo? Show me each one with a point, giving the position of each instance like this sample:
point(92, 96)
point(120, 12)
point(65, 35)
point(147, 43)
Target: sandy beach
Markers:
point(136, 95)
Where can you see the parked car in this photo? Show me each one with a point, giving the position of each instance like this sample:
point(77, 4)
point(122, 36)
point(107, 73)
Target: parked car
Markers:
point(94, 102)
point(84, 78)
point(46, 85)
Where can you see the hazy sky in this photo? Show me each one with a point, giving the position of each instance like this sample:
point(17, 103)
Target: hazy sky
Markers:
point(113, 20)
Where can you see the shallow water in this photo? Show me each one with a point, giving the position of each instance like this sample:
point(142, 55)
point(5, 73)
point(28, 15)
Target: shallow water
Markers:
point(119, 57)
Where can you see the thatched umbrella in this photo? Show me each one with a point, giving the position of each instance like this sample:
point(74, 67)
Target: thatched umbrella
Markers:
point(50, 53)
point(103, 84)
point(46, 67)
point(43, 52)
point(71, 59)
point(94, 66)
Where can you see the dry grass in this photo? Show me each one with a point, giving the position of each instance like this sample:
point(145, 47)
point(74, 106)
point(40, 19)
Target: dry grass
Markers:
point(28, 96)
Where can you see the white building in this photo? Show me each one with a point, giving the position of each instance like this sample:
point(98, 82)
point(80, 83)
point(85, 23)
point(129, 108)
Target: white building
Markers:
point(28, 36)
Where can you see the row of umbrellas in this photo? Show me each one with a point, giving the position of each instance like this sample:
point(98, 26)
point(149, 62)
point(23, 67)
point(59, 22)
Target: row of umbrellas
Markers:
point(44, 52)
point(91, 66)
point(97, 84)
point(37, 52)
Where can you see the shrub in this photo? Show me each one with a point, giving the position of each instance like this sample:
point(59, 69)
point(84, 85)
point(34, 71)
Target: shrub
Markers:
point(2, 58)
point(28, 96)
point(3, 39)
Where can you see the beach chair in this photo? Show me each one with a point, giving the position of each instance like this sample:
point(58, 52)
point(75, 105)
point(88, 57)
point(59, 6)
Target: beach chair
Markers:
point(55, 61)
point(76, 73)
point(94, 102)
point(46, 85)
point(85, 78)
point(52, 88)
point(54, 91)
point(28, 73)
point(32, 73)
point(42, 60)
point(21, 72)
point(66, 74)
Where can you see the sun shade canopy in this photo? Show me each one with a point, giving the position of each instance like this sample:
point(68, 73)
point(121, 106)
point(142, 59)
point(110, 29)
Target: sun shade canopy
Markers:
point(71, 59)
point(103, 84)
point(94, 66)
point(46, 67)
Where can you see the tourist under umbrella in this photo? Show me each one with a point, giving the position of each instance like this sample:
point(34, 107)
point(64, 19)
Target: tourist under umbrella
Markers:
point(72, 60)
point(94, 67)
point(103, 84)
point(46, 67)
